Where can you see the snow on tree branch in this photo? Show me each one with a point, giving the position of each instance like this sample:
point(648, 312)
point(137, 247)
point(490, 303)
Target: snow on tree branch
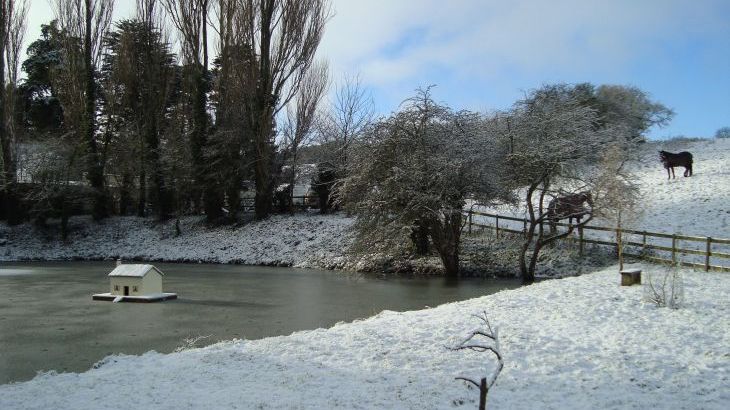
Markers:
point(481, 340)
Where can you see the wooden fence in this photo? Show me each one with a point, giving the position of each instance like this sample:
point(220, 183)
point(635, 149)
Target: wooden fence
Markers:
point(675, 251)
point(298, 202)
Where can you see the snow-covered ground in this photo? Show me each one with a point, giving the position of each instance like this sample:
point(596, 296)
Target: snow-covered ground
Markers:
point(576, 343)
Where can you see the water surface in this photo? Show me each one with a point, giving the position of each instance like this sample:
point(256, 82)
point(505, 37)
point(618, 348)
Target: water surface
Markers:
point(49, 322)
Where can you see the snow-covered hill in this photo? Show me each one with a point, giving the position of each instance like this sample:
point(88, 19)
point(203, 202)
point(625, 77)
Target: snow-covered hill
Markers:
point(697, 205)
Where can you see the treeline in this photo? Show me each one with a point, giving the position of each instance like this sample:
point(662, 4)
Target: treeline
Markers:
point(111, 119)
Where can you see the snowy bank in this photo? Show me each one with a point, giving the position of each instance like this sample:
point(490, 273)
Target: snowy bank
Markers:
point(574, 343)
point(303, 240)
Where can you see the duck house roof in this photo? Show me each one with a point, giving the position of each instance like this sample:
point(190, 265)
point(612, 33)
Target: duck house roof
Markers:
point(134, 270)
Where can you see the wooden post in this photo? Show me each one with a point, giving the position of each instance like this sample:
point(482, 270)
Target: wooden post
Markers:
point(580, 241)
point(470, 213)
point(524, 227)
point(497, 226)
point(619, 249)
point(707, 254)
point(570, 237)
point(674, 250)
point(643, 244)
point(483, 390)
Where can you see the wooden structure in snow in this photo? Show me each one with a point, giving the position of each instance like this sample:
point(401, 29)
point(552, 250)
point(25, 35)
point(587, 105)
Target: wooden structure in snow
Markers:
point(630, 277)
point(135, 283)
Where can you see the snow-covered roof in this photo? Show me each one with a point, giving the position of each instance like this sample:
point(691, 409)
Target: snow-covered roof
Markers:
point(135, 270)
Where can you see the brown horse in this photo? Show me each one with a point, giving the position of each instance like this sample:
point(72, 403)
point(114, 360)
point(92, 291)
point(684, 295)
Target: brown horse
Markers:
point(569, 206)
point(671, 160)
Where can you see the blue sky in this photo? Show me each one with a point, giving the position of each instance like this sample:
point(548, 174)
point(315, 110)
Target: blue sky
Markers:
point(484, 54)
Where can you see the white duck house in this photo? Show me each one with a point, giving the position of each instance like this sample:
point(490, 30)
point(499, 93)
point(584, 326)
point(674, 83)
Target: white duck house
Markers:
point(135, 280)
point(135, 283)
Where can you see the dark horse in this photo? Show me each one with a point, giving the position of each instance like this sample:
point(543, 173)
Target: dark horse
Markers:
point(569, 206)
point(670, 160)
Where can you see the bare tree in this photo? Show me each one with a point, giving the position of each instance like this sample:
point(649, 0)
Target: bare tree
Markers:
point(349, 115)
point(13, 20)
point(551, 136)
point(617, 195)
point(301, 114)
point(284, 36)
point(85, 22)
point(489, 343)
point(557, 150)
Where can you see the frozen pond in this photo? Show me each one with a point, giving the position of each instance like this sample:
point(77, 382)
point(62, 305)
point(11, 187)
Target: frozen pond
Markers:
point(49, 322)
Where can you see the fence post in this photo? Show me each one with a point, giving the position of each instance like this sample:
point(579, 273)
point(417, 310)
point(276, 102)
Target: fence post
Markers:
point(470, 213)
point(674, 249)
point(497, 225)
point(707, 254)
point(524, 227)
point(643, 244)
point(580, 242)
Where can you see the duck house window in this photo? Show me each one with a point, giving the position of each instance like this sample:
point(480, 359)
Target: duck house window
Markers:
point(134, 288)
point(116, 287)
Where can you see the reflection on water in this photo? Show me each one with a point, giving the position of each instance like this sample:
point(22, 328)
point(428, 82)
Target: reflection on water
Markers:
point(49, 322)
point(16, 272)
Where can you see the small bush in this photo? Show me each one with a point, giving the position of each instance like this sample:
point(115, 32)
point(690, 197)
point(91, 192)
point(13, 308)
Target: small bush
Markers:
point(664, 289)
point(190, 343)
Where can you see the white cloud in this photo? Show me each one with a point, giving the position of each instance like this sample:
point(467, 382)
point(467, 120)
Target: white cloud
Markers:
point(487, 38)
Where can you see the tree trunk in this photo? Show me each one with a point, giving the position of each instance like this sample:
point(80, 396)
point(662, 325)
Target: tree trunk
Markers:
point(446, 236)
point(264, 198)
point(142, 196)
point(263, 202)
point(159, 196)
point(6, 146)
point(125, 199)
point(95, 167)
point(64, 217)
point(529, 278)
point(528, 275)
point(451, 264)
point(204, 183)
point(419, 237)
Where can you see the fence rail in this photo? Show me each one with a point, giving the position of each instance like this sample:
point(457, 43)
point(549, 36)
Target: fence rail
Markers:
point(298, 202)
point(674, 250)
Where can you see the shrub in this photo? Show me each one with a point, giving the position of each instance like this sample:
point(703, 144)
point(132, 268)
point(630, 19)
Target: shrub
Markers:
point(665, 289)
